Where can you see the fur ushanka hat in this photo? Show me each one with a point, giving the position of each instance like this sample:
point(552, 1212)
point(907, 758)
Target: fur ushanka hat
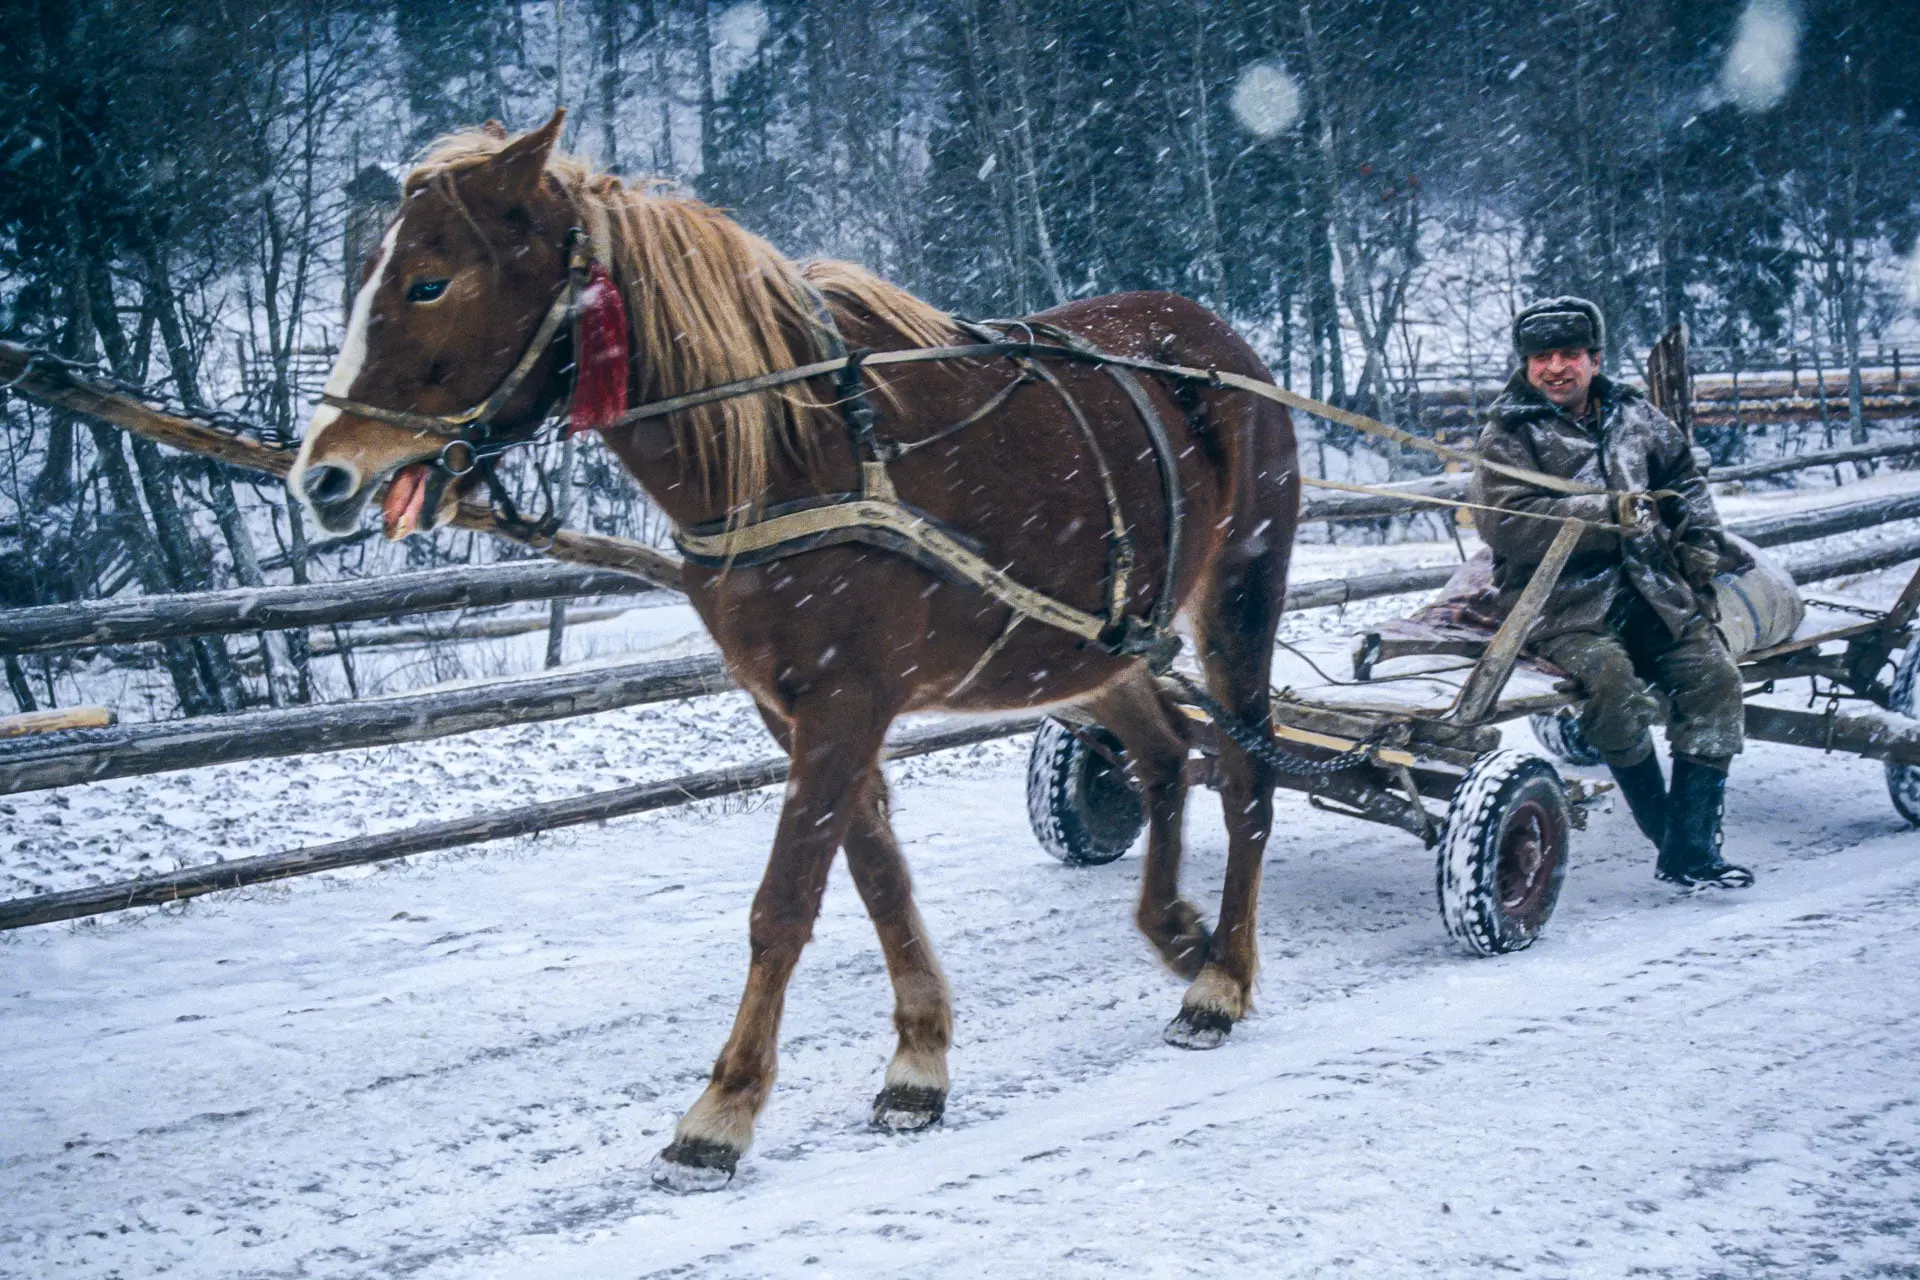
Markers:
point(1558, 324)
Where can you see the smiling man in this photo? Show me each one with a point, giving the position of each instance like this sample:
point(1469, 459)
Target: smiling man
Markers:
point(1634, 607)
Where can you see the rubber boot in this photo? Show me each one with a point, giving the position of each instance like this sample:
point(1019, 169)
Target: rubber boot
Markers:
point(1645, 791)
point(1691, 852)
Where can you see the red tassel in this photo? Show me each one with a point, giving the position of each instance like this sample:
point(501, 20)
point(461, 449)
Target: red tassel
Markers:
point(600, 363)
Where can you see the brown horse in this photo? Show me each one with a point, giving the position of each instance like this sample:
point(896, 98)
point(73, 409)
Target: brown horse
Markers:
point(834, 643)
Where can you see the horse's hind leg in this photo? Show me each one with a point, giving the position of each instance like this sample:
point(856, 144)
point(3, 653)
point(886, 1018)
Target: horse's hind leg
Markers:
point(1239, 611)
point(833, 748)
point(915, 1092)
point(1153, 731)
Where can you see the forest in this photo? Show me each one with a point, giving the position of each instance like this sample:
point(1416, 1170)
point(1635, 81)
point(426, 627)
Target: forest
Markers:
point(1368, 190)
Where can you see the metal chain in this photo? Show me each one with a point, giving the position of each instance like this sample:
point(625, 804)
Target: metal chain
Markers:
point(1263, 747)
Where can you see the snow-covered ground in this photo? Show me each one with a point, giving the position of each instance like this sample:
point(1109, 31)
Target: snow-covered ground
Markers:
point(460, 1065)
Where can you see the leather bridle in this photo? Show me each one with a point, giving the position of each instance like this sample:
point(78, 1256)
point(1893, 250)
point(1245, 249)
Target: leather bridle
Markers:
point(472, 439)
point(475, 428)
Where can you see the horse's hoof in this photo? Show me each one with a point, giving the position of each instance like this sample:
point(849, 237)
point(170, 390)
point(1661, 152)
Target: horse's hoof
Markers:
point(907, 1108)
point(689, 1165)
point(1198, 1029)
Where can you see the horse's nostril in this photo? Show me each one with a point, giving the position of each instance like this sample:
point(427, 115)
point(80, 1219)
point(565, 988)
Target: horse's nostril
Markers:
point(325, 484)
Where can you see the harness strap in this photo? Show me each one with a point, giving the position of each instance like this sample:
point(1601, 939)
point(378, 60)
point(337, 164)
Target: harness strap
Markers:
point(884, 522)
point(1171, 493)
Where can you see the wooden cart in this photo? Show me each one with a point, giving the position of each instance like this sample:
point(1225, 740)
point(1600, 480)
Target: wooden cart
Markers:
point(1497, 818)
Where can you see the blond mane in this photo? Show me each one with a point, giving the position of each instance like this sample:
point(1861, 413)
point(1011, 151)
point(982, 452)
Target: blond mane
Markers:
point(710, 303)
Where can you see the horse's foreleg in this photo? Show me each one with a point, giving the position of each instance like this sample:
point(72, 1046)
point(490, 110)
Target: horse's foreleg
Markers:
point(915, 1092)
point(1154, 734)
point(831, 754)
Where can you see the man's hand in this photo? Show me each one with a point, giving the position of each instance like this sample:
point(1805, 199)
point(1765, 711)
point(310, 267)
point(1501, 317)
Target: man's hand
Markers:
point(1698, 564)
point(1636, 512)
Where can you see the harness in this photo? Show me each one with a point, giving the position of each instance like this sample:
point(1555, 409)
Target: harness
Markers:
point(876, 516)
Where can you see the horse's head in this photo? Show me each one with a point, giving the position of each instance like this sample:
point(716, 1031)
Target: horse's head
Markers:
point(466, 278)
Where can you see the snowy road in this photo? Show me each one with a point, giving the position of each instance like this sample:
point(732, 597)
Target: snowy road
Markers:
point(461, 1068)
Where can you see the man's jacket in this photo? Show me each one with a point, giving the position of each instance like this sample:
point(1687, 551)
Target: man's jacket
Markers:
point(1635, 449)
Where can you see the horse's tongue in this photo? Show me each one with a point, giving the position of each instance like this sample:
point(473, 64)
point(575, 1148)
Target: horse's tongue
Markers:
point(406, 495)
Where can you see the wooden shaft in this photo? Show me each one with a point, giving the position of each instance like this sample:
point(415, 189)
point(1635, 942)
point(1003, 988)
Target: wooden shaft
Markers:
point(1482, 687)
point(572, 811)
point(1875, 735)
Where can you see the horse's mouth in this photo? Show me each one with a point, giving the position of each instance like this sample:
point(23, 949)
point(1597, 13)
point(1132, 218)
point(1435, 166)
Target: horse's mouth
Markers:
point(417, 501)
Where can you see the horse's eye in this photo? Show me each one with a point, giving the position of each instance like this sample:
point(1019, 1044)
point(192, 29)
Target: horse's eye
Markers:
point(426, 290)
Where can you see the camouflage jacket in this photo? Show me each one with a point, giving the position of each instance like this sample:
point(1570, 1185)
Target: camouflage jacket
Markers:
point(1636, 449)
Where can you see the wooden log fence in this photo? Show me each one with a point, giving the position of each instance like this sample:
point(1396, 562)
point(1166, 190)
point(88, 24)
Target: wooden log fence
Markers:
point(162, 746)
point(94, 755)
point(246, 609)
point(237, 610)
point(68, 758)
point(177, 886)
point(1824, 522)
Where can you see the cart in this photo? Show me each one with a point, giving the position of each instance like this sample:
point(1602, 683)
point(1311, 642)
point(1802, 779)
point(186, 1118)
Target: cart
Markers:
point(1497, 819)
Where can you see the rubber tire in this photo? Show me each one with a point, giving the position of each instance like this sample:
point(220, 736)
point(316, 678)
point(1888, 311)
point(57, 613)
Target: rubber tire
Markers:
point(1083, 811)
point(1903, 780)
point(1558, 733)
point(1507, 796)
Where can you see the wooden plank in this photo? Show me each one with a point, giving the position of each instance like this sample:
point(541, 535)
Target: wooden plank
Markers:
point(128, 619)
point(48, 908)
point(1483, 685)
point(19, 726)
point(90, 755)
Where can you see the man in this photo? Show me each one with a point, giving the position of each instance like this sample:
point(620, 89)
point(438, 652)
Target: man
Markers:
point(1634, 606)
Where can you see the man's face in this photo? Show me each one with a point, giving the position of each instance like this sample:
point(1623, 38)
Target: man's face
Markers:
point(1563, 376)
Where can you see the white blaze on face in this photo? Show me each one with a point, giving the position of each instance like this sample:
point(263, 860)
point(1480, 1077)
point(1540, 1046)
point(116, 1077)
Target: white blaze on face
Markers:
point(353, 353)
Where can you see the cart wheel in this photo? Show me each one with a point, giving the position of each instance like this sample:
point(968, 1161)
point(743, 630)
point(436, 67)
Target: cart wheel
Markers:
point(1084, 810)
point(1903, 780)
point(1503, 853)
point(1558, 733)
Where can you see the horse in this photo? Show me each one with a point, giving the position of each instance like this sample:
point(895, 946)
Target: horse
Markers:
point(835, 641)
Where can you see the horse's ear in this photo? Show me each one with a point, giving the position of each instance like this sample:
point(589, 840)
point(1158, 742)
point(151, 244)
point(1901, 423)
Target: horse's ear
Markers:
point(516, 167)
point(494, 129)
